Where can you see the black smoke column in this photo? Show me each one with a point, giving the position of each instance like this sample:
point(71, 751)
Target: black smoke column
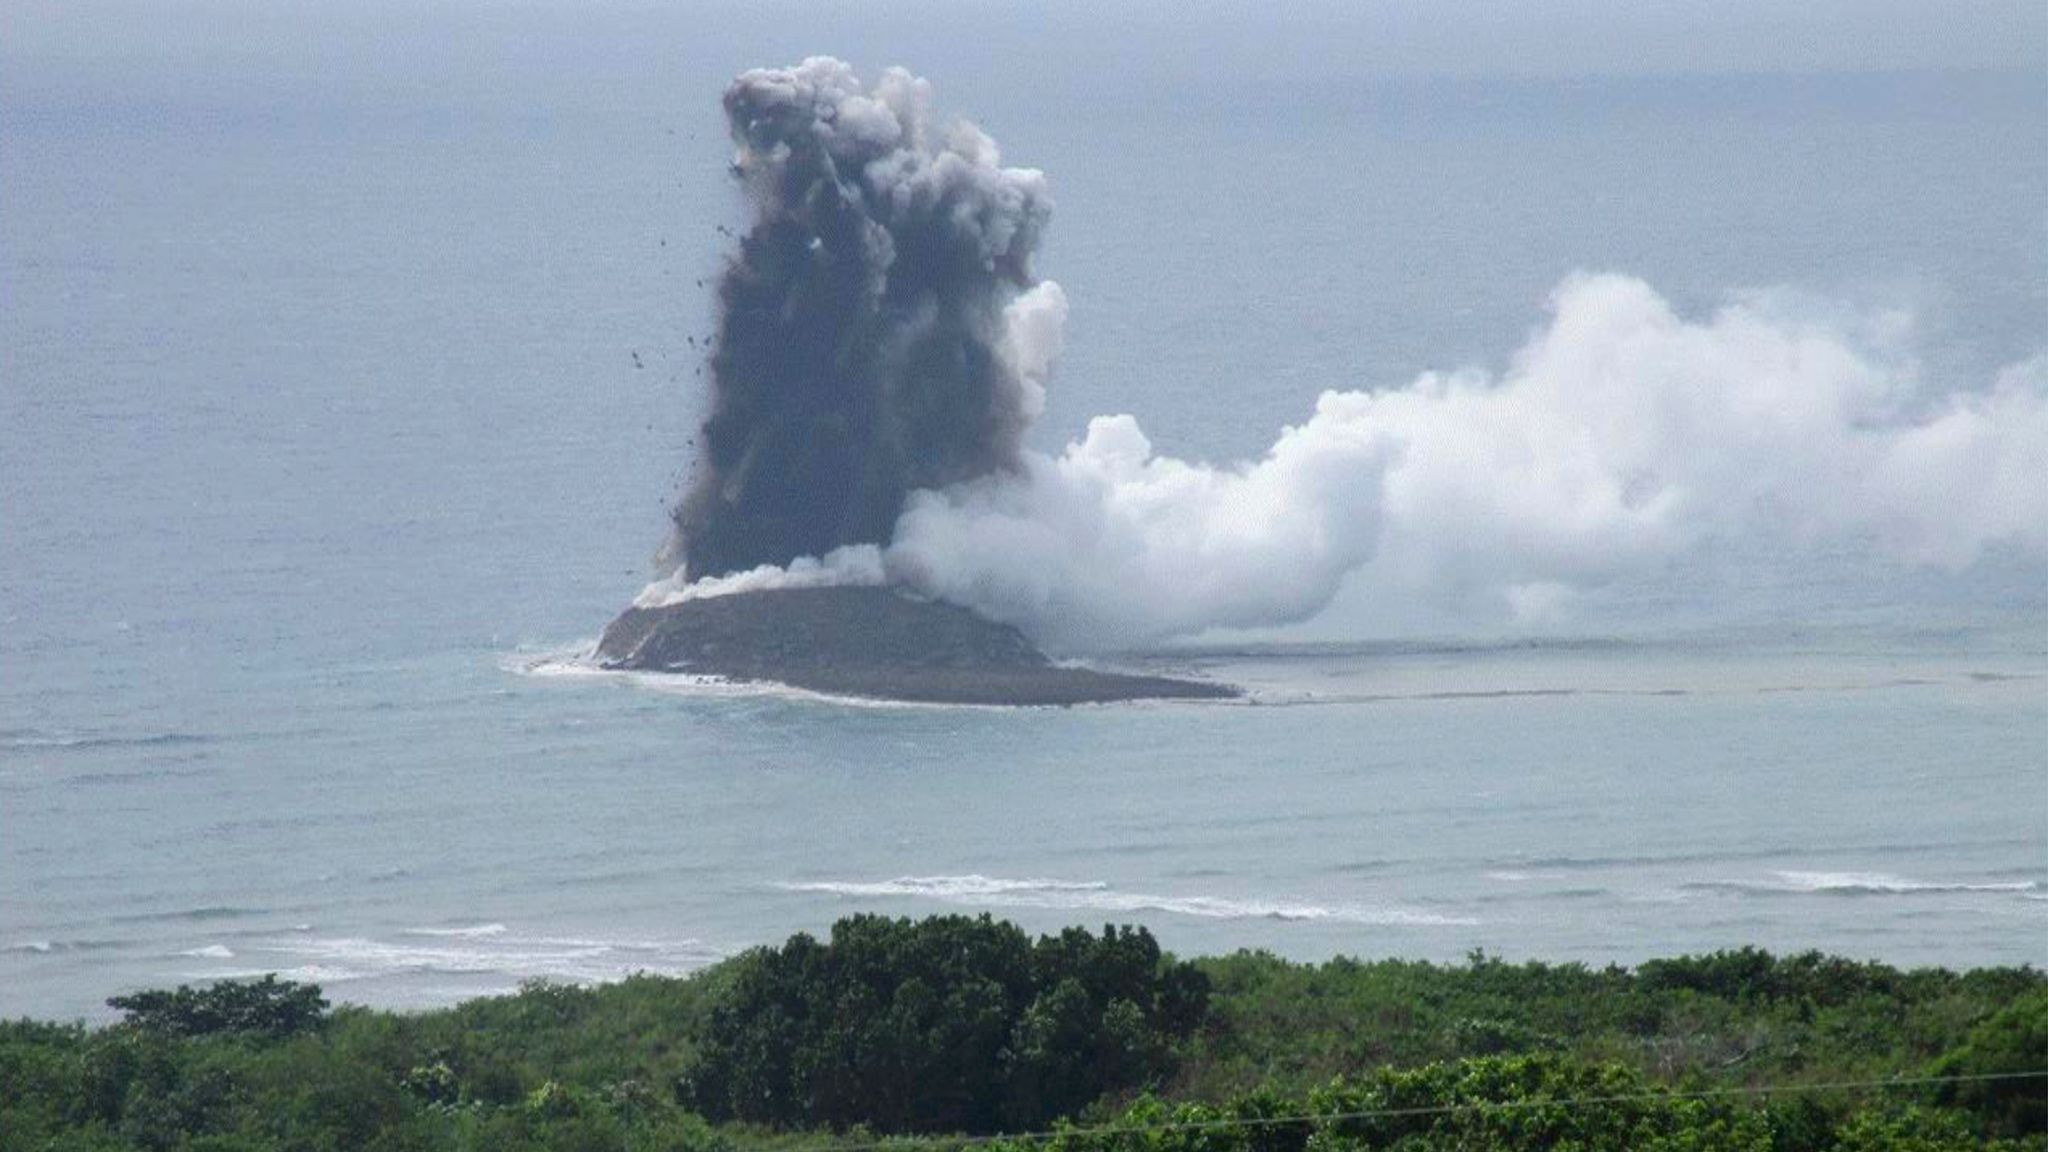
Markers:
point(858, 355)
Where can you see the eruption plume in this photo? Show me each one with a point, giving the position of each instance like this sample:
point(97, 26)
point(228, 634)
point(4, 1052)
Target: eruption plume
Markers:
point(862, 350)
point(883, 348)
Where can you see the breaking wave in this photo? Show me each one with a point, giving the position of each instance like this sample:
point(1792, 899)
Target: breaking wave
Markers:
point(56, 947)
point(476, 950)
point(1097, 896)
point(1855, 884)
point(471, 932)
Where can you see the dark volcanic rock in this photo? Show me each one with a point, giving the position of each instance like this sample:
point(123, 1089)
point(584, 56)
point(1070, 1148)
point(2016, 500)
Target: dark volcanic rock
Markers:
point(871, 642)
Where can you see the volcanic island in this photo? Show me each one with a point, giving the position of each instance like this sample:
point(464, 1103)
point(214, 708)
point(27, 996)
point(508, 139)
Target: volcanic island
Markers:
point(880, 333)
point(869, 642)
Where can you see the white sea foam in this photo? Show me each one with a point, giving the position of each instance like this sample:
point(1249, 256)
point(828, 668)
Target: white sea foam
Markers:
point(473, 931)
point(1095, 896)
point(943, 887)
point(1881, 883)
point(1858, 884)
point(301, 974)
point(49, 947)
point(490, 950)
point(210, 952)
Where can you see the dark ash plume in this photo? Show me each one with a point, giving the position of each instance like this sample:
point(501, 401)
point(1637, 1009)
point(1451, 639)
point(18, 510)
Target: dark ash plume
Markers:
point(863, 349)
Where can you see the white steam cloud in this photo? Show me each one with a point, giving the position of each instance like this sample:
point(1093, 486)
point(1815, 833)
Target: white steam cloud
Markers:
point(848, 565)
point(1621, 435)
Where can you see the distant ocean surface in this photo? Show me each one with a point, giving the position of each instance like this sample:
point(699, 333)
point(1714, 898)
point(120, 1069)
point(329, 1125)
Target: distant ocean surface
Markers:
point(331, 432)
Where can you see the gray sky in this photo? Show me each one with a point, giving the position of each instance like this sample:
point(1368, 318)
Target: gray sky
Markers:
point(1176, 41)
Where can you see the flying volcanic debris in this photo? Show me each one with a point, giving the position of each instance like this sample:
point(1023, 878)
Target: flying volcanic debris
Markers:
point(873, 328)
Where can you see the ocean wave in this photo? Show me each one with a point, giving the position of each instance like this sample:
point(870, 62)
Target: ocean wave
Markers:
point(156, 772)
point(38, 740)
point(1096, 896)
point(205, 912)
point(56, 947)
point(1738, 855)
point(667, 946)
point(481, 950)
point(470, 932)
point(210, 952)
point(942, 887)
point(1364, 867)
point(1523, 895)
point(323, 974)
point(1855, 884)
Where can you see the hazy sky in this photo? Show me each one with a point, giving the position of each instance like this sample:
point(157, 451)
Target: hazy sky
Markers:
point(47, 41)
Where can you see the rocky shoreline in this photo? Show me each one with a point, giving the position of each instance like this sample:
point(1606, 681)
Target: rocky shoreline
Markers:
point(872, 643)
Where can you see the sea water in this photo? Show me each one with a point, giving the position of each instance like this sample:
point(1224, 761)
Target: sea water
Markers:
point(335, 423)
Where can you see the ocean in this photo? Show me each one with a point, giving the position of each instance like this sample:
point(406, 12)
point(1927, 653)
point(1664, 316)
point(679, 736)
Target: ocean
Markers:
point(337, 419)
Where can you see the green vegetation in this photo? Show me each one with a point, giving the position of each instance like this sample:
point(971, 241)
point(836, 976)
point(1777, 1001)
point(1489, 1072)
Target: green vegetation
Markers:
point(945, 1025)
point(894, 1029)
point(268, 1007)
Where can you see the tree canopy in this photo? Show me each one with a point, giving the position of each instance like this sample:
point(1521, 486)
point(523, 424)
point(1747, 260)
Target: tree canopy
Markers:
point(947, 1024)
point(917, 1032)
point(267, 1007)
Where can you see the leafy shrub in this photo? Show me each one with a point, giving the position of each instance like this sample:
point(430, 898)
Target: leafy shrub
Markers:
point(947, 1024)
point(2012, 1043)
point(268, 1007)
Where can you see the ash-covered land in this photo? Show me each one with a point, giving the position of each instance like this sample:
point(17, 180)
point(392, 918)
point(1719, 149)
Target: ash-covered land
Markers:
point(869, 642)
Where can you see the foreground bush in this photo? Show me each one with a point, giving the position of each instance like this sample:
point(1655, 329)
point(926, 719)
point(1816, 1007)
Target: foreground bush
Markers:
point(269, 1007)
point(1519, 1104)
point(951, 1024)
point(956, 1025)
